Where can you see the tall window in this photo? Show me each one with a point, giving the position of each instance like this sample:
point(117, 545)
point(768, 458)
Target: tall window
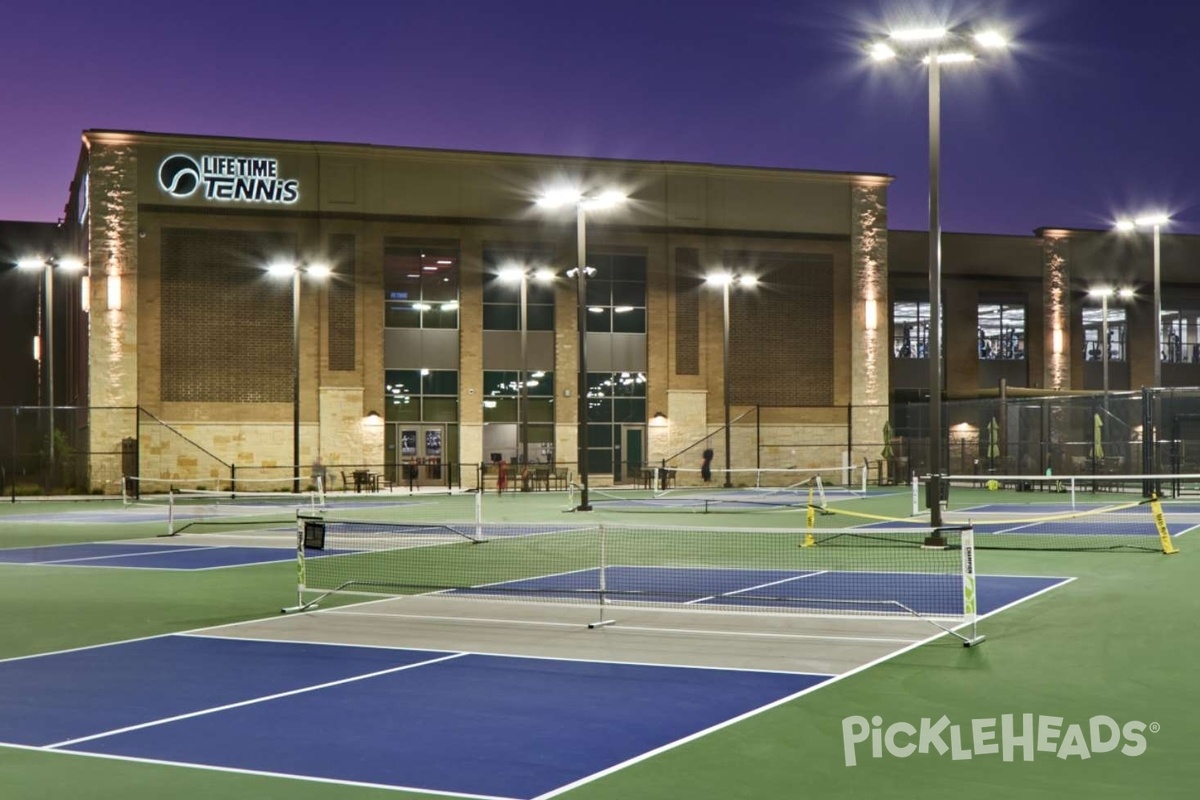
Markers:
point(616, 294)
point(910, 329)
point(1093, 333)
point(1180, 335)
point(502, 415)
point(613, 399)
point(1001, 331)
point(421, 395)
point(502, 296)
point(501, 391)
point(420, 286)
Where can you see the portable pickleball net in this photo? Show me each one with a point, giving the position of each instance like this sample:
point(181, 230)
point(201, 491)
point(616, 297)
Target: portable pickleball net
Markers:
point(843, 573)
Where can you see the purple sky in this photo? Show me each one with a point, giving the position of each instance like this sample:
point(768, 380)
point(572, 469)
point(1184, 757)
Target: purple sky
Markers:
point(1093, 114)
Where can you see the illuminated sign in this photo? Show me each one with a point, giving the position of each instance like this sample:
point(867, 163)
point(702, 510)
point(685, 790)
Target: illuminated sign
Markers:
point(245, 179)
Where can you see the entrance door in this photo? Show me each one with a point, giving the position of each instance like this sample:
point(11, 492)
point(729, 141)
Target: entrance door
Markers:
point(634, 451)
point(433, 454)
point(422, 455)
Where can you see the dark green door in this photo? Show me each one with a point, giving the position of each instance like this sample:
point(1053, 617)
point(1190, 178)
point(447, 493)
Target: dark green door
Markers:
point(634, 459)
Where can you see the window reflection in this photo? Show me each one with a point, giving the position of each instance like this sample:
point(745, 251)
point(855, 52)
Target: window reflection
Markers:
point(1001, 333)
point(420, 286)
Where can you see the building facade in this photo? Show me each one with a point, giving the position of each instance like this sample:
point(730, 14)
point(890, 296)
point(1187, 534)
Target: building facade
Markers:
point(419, 352)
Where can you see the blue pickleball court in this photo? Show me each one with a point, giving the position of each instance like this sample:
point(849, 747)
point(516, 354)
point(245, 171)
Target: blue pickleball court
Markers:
point(148, 555)
point(813, 591)
point(449, 722)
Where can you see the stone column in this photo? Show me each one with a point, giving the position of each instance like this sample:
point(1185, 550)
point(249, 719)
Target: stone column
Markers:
point(112, 263)
point(1056, 294)
point(566, 364)
point(470, 359)
point(870, 335)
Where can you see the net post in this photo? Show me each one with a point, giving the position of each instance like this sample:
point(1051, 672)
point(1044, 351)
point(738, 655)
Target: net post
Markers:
point(970, 611)
point(479, 514)
point(300, 570)
point(1160, 524)
point(170, 511)
point(916, 495)
point(603, 581)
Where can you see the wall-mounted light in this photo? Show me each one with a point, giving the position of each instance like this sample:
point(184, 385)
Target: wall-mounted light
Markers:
point(37, 348)
point(1057, 341)
point(871, 315)
point(372, 418)
point(114, 291)
point(659, 420)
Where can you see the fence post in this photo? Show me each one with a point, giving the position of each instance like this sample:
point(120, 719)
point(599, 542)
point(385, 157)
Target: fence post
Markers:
point(1148, 438)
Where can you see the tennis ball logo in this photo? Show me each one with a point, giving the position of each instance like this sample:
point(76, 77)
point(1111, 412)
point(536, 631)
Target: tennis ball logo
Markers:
point(179, 176)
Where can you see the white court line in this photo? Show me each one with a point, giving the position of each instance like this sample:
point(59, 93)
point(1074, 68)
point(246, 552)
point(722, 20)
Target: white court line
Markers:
point(162, 549)
point(259, 772)
point(545, 796)
point(759, 586)
point(617, 627)
point(755, 712)
point(250, 702)
point(81, 560)
point(566, 659)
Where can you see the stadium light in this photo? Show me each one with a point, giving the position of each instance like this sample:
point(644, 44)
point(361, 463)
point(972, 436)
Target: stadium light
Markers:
point(1104, 293)
point(321, 272)
point(44, 340)
point(934, 46)
point(1155, 222)
point(725, 280)
point(583, 203)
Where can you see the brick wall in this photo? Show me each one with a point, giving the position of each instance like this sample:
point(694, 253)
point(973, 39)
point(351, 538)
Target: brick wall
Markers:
point(687, 311)
point(782, 332)
point(226, 326)
point(343, 322)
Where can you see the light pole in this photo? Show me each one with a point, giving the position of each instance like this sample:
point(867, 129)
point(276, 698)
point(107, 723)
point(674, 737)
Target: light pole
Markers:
point(583, 203)
point(515, 273)
point(1155, 223)
point(45, 345)
point(1104, 293)
point(725, 280)
point(296, 271)
point(934, 47)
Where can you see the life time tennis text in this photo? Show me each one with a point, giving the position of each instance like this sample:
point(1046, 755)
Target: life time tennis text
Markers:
point(237, 178)
point(247, 179)
point(1008, 736)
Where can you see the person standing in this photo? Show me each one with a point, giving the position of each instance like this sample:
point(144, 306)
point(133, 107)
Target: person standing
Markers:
point(706, 466)
point(319, 473)
point(501, 476)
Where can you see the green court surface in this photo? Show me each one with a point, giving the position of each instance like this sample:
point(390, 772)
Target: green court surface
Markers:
point(1119, 641)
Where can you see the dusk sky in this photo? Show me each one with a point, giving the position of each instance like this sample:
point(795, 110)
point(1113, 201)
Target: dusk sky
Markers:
point(1091, 115)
